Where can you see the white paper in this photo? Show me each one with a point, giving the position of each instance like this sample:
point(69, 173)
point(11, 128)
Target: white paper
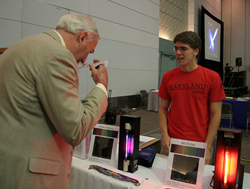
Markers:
point(82, 150)
point(145, 139)
point(103, 145)
point(185, 164)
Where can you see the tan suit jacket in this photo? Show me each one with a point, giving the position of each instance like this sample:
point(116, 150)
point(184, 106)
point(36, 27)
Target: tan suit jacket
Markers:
point(41, 114)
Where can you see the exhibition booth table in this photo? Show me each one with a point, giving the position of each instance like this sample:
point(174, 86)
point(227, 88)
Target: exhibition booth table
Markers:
point(149, 178)
point(239, 109)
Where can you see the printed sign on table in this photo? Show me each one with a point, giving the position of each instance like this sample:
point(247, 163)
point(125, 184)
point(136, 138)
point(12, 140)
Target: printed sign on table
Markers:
point(185, 164)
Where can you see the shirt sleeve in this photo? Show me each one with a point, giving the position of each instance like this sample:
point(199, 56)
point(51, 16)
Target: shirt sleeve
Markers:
point(217, 91)
point(101, 86)
point(163, 90)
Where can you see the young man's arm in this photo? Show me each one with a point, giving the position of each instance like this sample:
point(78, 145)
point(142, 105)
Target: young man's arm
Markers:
point(214, 123)
point(163, 116)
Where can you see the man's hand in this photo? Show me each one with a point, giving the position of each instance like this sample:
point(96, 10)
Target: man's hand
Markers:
point(99, 75)
point(208, 156)
point(166, 143)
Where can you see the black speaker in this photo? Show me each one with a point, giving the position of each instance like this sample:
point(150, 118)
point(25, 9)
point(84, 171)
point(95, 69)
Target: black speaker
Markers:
point(238, 61)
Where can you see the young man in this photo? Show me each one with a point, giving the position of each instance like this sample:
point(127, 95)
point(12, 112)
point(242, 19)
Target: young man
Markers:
point(42, 117)
point(195, 94)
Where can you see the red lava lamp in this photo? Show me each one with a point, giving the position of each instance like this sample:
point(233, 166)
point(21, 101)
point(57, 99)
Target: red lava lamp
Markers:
point(228, 171)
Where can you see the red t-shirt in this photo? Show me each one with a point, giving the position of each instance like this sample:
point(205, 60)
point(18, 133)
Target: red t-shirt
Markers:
point(190, 94)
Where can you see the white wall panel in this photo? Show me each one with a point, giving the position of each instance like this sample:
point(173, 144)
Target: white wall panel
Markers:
point(157, 2)
point(238, 30)
point(226, 17)
point(86, 83)
point(124, 16)
point(75, 5)
point(193, 19)
point(126, 56)
point(42, 14)
point(191, 8)
point(10, 32)
point(213, 6)
point(11, 9)
point(218, 1)
point(236, 18)
point(123, 58)
point(197, 9)
point(213, 9)
point(30, 29)
point(191, 27)
point(193, 15)
point(130, 82)
point(146, 7)
point(194, 23)
point(129, 36)
point(121, 82)
point(113, 31)
point(247, 48)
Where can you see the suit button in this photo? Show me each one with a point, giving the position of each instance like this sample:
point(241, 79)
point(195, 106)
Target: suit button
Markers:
point(68, 175)
point(71, 153)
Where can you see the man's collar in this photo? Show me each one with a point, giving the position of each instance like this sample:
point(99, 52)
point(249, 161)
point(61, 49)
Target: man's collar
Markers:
point(61, 39)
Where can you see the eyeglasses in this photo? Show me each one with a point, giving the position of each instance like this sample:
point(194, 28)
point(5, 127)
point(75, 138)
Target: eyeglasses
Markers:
point(182, 49)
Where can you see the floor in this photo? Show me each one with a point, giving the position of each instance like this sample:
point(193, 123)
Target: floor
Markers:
point(150, 127)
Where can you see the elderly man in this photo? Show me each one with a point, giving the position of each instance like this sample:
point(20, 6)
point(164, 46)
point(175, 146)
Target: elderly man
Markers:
point(42, 117)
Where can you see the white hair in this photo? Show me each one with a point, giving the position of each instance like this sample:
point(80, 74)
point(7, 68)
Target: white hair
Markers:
point(77, 23)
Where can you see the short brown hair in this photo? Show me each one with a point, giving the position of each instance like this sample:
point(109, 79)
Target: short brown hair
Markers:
point(191, 38)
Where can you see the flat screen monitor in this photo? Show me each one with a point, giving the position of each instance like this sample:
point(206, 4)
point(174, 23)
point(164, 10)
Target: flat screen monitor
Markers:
point(212, 36)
